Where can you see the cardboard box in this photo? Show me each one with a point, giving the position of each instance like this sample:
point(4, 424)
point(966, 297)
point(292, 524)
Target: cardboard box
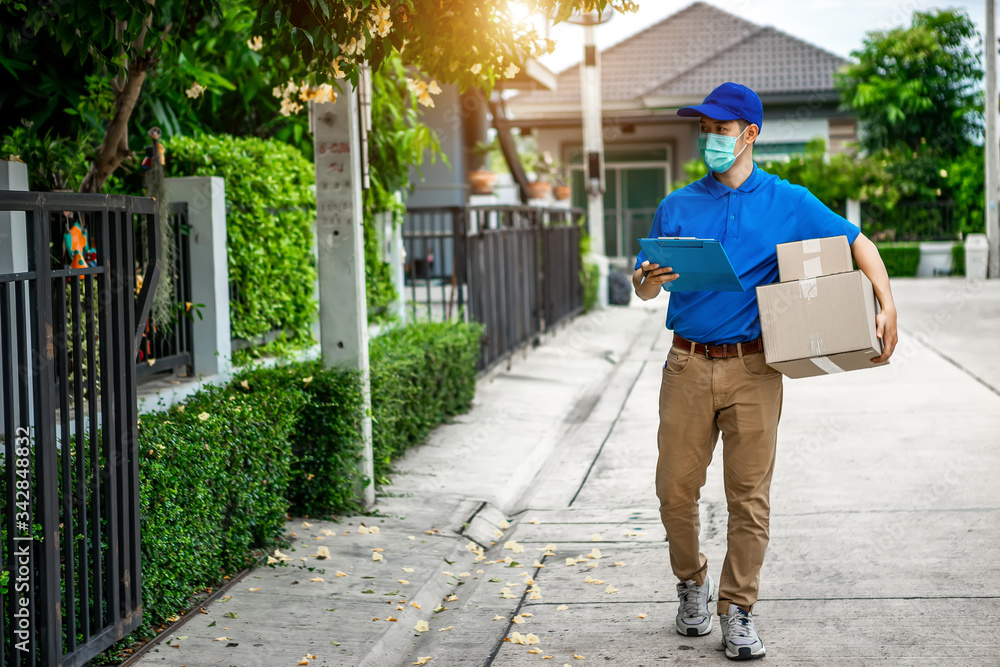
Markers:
point(814, 257)
point(819, 325)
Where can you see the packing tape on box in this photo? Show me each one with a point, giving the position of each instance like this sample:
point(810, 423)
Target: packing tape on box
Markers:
point(810, 246)
point(825, 365)
point(807, 288)
point(817, 348)
point(812, 267)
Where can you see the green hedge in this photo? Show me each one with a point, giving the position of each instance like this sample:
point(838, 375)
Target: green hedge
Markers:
point(219, 473)
point(270, 210)
point(901, 259)
point(958, 260)
point(214, 476)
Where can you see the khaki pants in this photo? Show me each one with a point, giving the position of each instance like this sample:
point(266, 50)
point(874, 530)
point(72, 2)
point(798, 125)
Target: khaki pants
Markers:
point(699, 397)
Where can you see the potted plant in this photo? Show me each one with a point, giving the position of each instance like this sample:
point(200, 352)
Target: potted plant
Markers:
point(561, 189)
point(481, 179)
point(541, 165)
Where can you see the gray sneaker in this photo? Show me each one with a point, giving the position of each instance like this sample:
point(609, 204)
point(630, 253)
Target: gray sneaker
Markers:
point(693, 617)
point(739, 636)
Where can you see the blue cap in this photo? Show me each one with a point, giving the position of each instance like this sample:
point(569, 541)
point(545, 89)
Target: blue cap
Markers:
point(730, 101)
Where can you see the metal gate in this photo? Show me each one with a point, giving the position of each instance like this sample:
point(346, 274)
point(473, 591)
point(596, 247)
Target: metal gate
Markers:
point(69, 326)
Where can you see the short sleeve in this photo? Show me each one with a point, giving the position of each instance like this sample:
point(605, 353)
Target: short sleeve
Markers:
point(655, 231)
point(816, 220)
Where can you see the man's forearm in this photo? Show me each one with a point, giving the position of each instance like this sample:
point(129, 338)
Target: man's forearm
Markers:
point(870, 262)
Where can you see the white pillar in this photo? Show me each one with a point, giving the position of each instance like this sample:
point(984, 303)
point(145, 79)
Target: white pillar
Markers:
point(593, 148)
point(853, 213)
point(14, 259)
point(992, 147)
point(205, 197)
point(343, 309)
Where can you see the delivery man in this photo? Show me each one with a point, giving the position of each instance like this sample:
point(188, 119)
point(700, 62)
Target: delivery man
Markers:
point(715, 378)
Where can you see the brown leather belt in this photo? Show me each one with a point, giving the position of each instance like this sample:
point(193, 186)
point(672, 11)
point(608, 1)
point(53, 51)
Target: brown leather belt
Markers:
point(720, 351)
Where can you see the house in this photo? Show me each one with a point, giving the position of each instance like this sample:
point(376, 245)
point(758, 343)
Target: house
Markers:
point(672, 64)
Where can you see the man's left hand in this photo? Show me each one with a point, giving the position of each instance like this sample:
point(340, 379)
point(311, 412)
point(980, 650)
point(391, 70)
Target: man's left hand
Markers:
point(885, 328)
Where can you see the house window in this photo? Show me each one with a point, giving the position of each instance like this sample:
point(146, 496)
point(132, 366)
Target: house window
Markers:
point(636, 180)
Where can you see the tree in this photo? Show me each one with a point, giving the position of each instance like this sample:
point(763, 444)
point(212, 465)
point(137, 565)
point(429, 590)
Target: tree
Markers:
point(915, 88)
point(306, 43)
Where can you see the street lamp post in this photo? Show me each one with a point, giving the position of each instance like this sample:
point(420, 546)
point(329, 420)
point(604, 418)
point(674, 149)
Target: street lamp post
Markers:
point(593, 144)
point(992, 146)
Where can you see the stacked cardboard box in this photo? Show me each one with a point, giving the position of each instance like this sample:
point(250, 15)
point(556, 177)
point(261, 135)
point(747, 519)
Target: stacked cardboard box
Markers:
point(820, 317)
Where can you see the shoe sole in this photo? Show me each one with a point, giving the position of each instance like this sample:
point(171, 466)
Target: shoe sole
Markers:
point(744, 654)
point(693, 632)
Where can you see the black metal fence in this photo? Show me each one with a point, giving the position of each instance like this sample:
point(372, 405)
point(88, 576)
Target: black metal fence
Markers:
point(516, 269)
point(166, 347)
point(911, 221)
point(70, 475)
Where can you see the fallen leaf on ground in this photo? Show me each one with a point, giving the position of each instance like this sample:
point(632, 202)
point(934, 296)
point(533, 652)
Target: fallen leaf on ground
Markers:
point(414, 604)
point(328, 532)
point(341, 574)
point(499, 618)
point(463, 575)
point(407, 569)
point(447, 573)
point(222, 639)
point(373, 530)
point(271, 560)
point(316, 579)
point(391, 618)
point(504, 524)
point(422, 661)
point(641, 615)
point(517, 619)
point(570, 562)
point(362, 529)
point(410, 537)
point(421, 626)
point(610, 589)
point(402, 581)
point(591, 564)
point(533, 650)
point(376, 556)
point(513, 546)
point(377, 549)
point(451, 598)
point(562, 607)
point(254, 589)
point(578, 657)
point(619, 563)
point(533, 520)
point(497, 533)
point(537, 564)
point(305, 524)
point(594, 553)
point(400, 608)
point(596, 537)
point(443, 629)
point(506, 594)
point(323, 553)
point(526, 615)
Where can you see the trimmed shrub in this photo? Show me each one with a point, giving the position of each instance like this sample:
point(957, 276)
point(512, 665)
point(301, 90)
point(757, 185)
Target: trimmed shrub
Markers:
point(270, 211)
point(326, 443)
point(213, 479)
point(958, 259)
point(420, 376)
point(901, 259)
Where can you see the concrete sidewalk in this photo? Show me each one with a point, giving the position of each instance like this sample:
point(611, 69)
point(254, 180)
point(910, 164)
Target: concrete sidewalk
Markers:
point(885, 520)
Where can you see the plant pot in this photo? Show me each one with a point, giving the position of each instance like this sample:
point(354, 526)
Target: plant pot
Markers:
point(539, 190)
point(482, 181)
point(562, 192)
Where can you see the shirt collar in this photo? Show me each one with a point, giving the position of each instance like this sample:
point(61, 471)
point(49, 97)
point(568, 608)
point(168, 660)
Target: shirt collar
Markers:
point(718, 189)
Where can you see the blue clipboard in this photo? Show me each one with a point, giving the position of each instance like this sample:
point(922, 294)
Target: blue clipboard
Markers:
point(702, 264)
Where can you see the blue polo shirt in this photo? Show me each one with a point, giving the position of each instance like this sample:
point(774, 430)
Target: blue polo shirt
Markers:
point(749, 221)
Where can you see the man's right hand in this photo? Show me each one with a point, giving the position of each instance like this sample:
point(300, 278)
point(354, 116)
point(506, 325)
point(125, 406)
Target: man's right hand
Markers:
point(655, 277)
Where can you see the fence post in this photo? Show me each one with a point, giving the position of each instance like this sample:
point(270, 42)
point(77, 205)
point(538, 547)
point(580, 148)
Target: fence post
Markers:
point(206, 200)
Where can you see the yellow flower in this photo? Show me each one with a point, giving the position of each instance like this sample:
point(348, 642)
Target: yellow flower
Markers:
point(196, 90)
point(337, 72)
point(475, 69)
point(426, 99)
point(511, 70)
point(434, 88)
point(255, 43)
